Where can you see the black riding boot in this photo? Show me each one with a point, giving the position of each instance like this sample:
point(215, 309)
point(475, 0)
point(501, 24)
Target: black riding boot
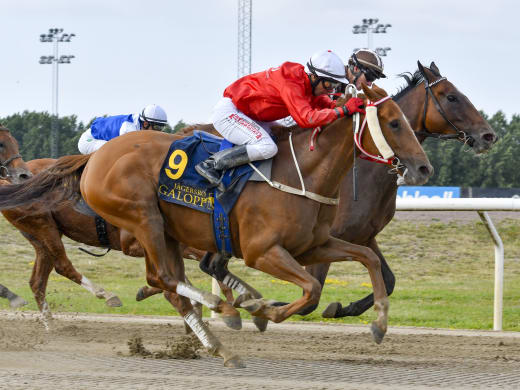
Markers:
point(211, 168)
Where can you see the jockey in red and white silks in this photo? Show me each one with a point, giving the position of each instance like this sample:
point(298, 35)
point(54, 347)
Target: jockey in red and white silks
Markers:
point(250, 105)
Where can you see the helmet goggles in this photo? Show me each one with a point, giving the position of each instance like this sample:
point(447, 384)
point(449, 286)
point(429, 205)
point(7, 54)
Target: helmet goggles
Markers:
point(329, 84)
point(370, 73)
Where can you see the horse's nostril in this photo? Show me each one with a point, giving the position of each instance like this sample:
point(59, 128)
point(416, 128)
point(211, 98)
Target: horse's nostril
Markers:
point(490, 137)
point(23, 176)
point(425, 170)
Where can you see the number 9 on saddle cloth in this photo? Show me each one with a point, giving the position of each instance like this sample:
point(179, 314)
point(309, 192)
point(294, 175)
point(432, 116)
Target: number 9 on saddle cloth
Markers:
point(179, 182)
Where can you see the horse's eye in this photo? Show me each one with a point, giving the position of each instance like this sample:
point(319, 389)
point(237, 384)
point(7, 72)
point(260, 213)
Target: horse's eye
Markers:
point(1, 145)
point(452, 98)
point(394, 124)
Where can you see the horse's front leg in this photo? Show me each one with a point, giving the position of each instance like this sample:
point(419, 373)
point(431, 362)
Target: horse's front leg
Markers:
point(336, 310)
point(338, 250)
point(278, 262)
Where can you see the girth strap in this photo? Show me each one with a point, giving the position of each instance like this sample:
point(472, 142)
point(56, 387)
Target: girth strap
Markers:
point(101, 230)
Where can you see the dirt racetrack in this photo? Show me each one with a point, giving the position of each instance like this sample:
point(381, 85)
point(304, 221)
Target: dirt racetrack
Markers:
point(91, 352)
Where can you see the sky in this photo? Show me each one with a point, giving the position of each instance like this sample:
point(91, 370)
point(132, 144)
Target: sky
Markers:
point(183, 54)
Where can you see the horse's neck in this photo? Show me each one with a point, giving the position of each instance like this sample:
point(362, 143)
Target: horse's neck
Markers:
point(412, 105)
point(324, 167)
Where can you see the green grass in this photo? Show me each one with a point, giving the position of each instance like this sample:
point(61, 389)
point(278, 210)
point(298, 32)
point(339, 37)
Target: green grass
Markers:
point(444, 272)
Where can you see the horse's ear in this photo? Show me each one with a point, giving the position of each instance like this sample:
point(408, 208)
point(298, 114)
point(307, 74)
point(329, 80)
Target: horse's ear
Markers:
point(380, 91)
point(371, 93)
point(423, 71)
point(434, 69)
point(421, 68)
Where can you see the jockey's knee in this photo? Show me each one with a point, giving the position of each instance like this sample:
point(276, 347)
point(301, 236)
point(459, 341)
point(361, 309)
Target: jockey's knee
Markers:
point(262, 151)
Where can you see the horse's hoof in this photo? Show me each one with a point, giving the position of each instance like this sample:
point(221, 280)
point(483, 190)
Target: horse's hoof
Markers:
point(377, 333)
point(140, 295)
point(17, 302)
point(260, 323)
point(234, 362)
point(233, 322)
point(253, 305)
point(241, 299)
point(114, 301)
point(331, 310)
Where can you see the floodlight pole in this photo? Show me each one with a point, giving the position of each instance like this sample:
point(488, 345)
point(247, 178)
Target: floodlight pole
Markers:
point(245, 10)
point(372, 26)
point(55, 36)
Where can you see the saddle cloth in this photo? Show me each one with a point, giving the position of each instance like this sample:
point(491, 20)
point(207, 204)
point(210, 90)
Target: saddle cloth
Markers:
point(179, 183)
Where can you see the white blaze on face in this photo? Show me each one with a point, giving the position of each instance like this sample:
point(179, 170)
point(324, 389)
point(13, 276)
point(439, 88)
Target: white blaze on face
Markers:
point(377, 135)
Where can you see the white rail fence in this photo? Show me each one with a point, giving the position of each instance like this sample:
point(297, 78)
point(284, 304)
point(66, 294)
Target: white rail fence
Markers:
point(481, 206)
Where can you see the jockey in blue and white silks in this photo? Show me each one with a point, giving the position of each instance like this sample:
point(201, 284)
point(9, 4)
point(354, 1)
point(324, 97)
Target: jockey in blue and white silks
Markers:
point(102, 130)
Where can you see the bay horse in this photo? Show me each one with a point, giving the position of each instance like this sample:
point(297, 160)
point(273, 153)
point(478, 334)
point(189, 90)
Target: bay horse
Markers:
point(273, 231)
point(435, 108)
point(13, 170)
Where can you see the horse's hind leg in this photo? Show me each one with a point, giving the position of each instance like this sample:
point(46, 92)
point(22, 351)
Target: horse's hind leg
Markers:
point(335, 309)
point(215, 265)
point(165, 270)
point(63, 266)
point(42, 268)
point(15, 301)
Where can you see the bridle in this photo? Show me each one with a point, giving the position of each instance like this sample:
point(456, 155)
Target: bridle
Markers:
point(388, 157)
point(4, 166)
point(460, 135)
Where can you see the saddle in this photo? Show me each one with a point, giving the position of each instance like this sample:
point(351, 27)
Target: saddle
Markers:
point(179, 183)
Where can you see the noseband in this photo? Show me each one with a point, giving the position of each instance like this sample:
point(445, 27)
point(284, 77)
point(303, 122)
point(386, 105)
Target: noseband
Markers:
point(4, 166)
point(460, 135)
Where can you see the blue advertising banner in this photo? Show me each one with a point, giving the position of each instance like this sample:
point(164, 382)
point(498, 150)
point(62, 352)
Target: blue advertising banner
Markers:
point(422, 192)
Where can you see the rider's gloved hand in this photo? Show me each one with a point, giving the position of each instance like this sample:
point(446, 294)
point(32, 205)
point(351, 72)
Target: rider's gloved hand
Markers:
point(352, 106)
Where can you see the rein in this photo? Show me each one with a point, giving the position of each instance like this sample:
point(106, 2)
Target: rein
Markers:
point(460, 135)
point(4, 166)
point(388, 156)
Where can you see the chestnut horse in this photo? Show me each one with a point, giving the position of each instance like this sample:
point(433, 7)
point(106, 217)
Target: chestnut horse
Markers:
point(273, 231)
point(44, 228)
point(434, 108)
point(13, 170)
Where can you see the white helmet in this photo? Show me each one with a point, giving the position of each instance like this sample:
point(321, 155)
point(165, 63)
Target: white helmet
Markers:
point(154, 114)
point(328, 65)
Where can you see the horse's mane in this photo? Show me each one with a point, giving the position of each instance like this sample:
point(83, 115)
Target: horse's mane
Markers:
point(412, 80)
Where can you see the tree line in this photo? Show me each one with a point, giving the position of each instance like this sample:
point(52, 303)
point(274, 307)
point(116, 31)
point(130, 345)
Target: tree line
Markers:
point(455, 164)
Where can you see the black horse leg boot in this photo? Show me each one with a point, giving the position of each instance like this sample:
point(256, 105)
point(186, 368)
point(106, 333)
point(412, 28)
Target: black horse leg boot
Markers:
point(211, 169)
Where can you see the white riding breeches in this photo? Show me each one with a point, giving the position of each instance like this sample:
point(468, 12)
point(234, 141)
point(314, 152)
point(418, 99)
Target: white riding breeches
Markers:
point(238, 128)
point(88, 144)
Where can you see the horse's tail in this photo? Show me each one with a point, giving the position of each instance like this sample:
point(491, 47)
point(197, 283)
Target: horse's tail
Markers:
point(55, 184)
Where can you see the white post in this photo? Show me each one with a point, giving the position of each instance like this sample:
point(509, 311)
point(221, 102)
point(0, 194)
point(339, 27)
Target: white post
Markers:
point(481, 205)
point(215, 289)
point(499, 270)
